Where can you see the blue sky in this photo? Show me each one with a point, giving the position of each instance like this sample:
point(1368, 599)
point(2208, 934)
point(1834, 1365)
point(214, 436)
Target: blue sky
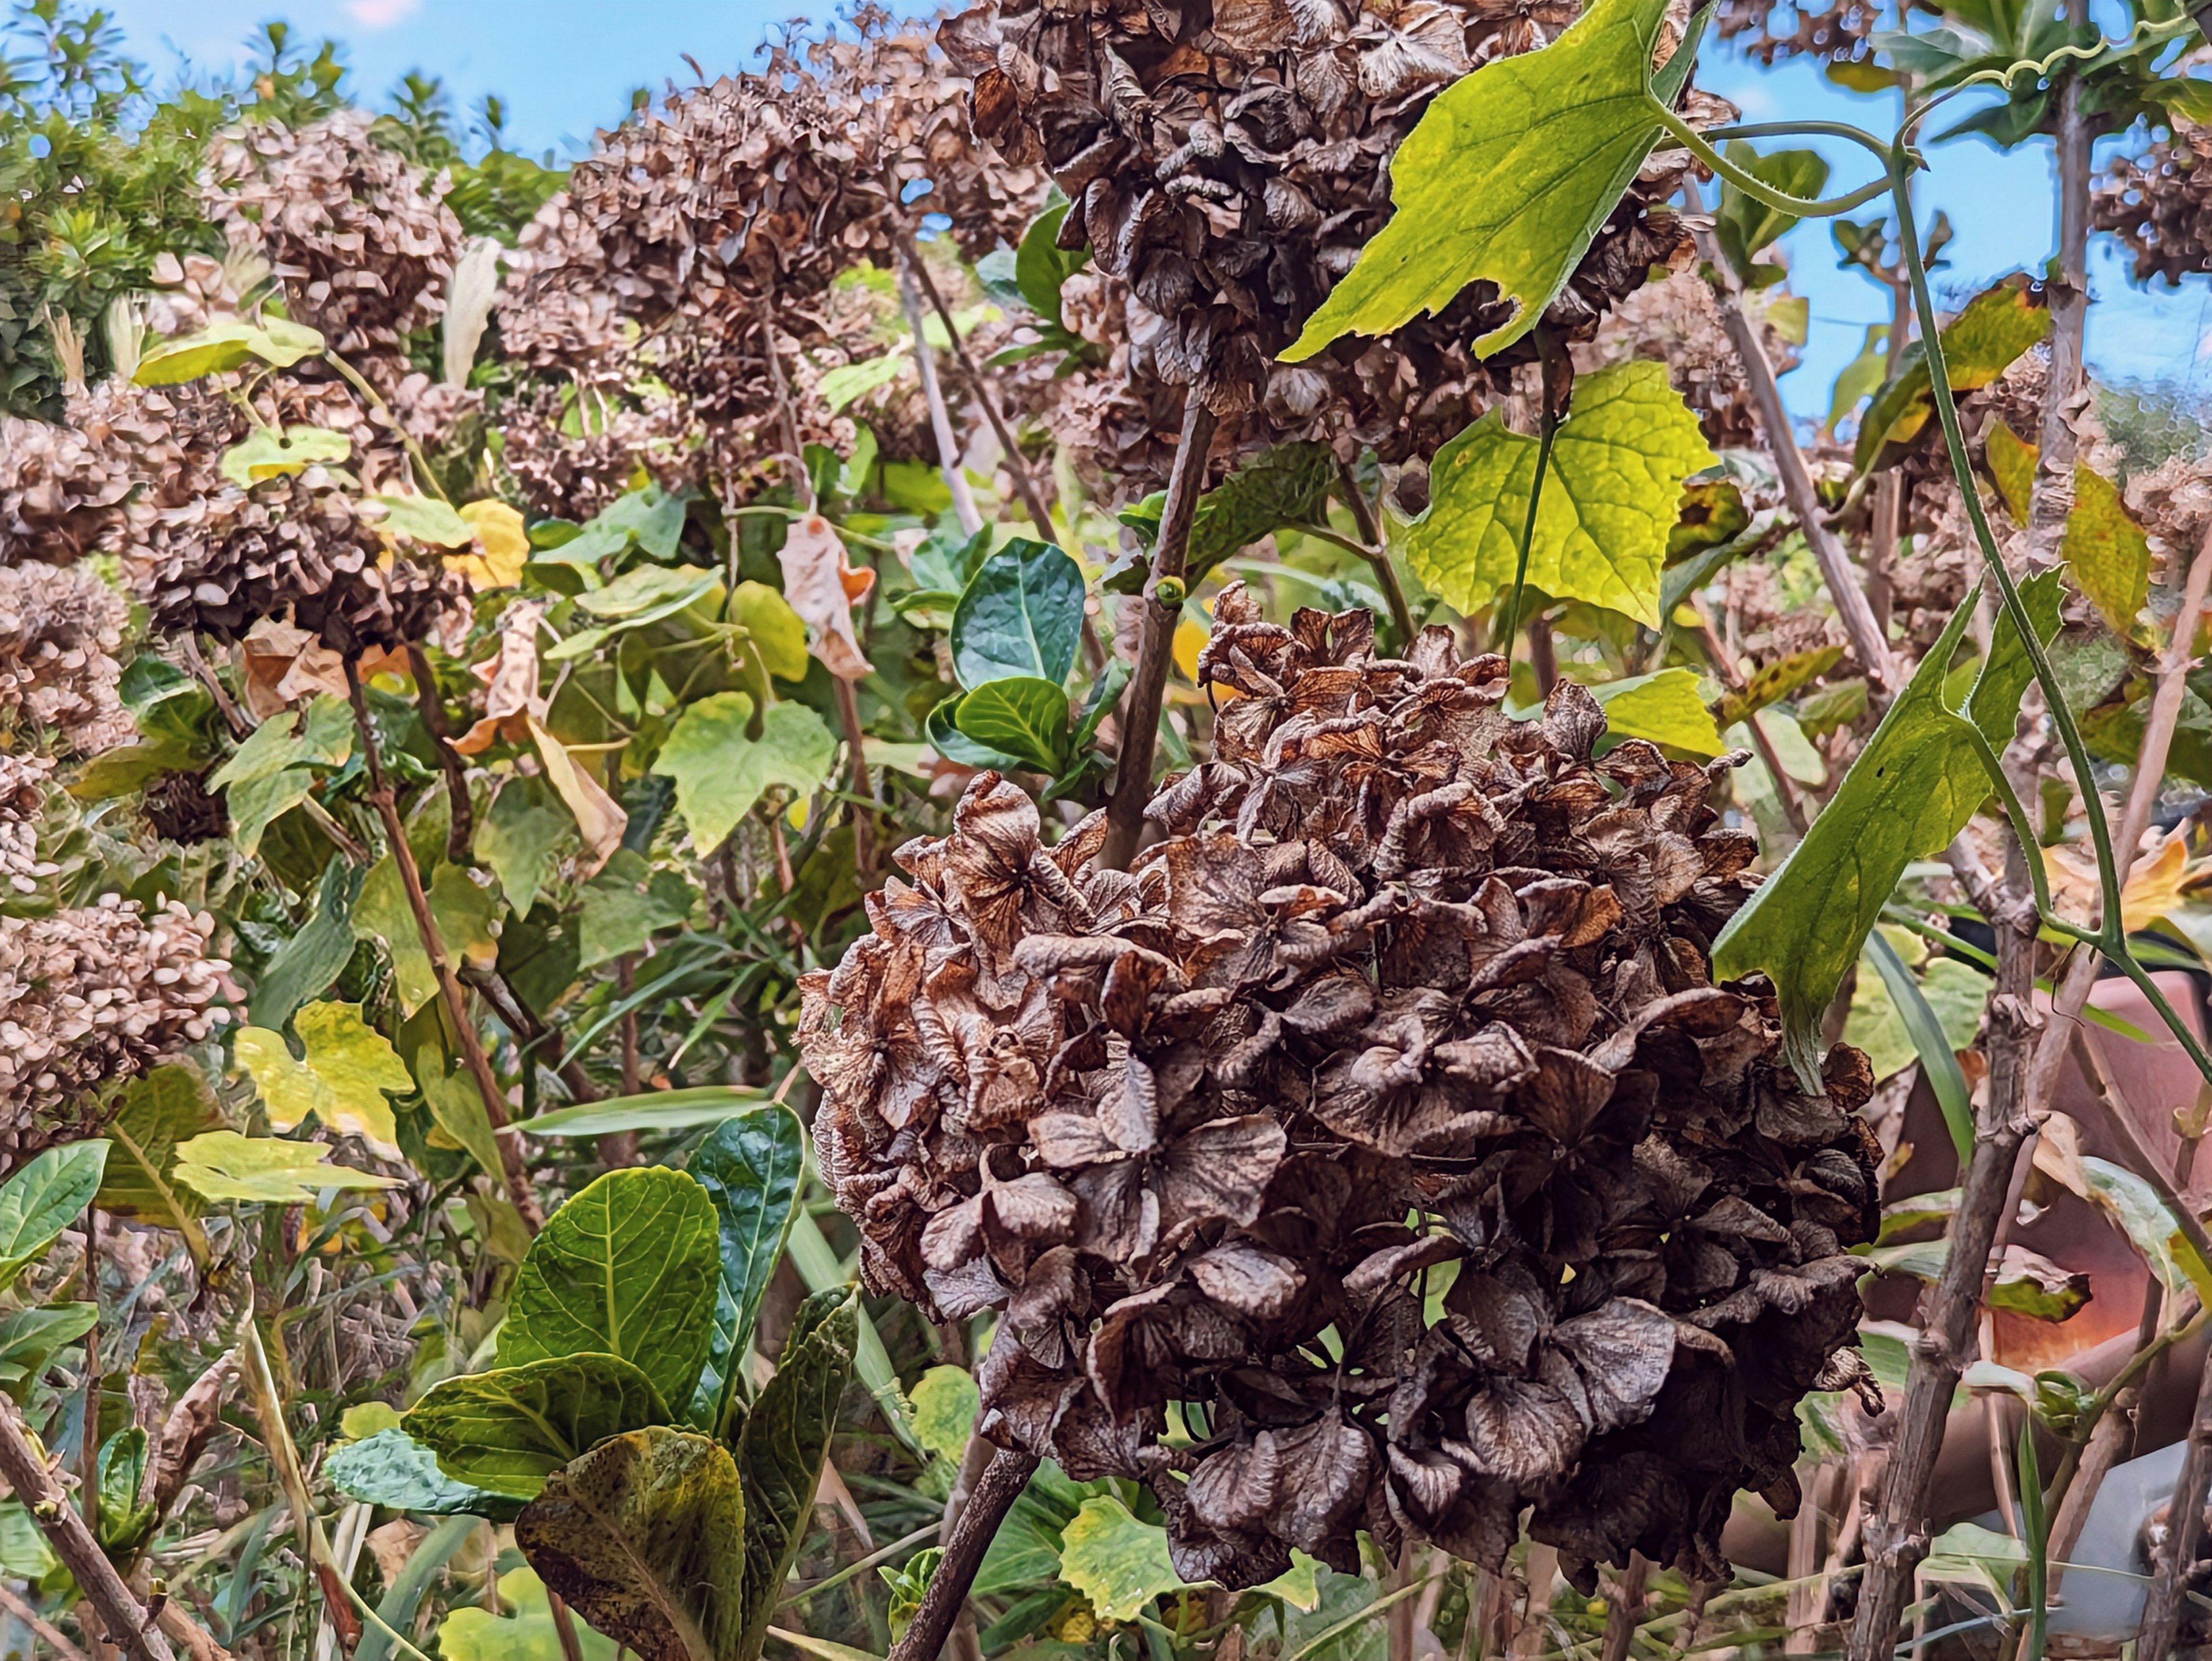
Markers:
point(564, 68)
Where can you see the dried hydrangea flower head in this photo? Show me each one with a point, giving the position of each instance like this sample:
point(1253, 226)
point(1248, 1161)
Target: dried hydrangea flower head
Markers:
point(61, 492)
point(60, 627)
point(93, 996)
point(2158, 204)
point(1413, 995)
point(1228, 162)
point(22, 802)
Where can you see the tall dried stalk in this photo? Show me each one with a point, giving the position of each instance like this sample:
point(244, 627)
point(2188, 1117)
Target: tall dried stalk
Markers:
point(988, 1502)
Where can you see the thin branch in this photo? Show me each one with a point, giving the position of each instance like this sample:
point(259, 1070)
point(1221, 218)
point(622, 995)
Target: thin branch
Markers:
point(127, 1621)
point(2051, 500)
point(1141, 709)
point(940, 418)
point(188, 644)
point(1868, 644)
point(341, 839)
point(1376, 552)
point(449, 986)
point(995, 1492)
point(1624, 1607)
point(38, 1624)
point(462, 830)
point(1785, 789)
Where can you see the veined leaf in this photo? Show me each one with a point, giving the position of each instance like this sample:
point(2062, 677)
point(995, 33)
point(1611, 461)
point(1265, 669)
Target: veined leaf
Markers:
point(222, 1164)
point(425, 519)
point(2103, 546)
point(1609, 506)
point(349, 1071)
point(1772, 682)
point(305, 966)
point(1042, 266)
point(44, 1198)
point(509, 1429)
point(226, 343)
point(627, 1267)
point(1117, 1562)
point(644, 1536)
point(1021, 614)
point(269, 452)
point(785, 1436)
point(751, 1167)
point(778, 633)
point(1283, 486)
point(1663, 707)
point(1508, 177)
point(520, 839)
point(391, 1468)
point(721, 773)
point(1912, 788)
point(2142, 1216)
point(161, 1109)
point(30, 1337)
point(1021, 716)
point(625, 906)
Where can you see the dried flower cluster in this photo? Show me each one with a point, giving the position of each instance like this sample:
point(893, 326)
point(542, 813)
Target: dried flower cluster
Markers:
point(1767, 29)
point(1414, 989)
point(2158, 204)
point(93, 996)
point(60, 627)
point(358, 238)
point(22, 802)
point(60, 492)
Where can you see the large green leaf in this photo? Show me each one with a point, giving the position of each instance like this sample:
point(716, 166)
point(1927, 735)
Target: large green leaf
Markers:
point(1021, 614)
point(786, 1435)
point(644, 1536)
point(165, 1107)
point(228, 343)
point(1022, 716)
point(1979, 345)
point(1507, 177)
point(625, 906)
point(1616, 474)
point(392, 1469)
point(44, 1198)
point(30, 1337)
point(942, 729)
point(1285, 485)
point(750, 1166)
point(721, 773)
point(345, 1082)
point(270, 453)
point(509, 1429)
point(628, 1268)
point(1912, 788)
point(305, 966)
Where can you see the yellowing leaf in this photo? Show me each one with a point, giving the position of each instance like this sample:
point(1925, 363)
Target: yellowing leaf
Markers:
point(2011, 461)
point(721, 773)
point(599, 816)
point(471, 1634)
point(2107, 551)
point(945, 1400)
point(821, 585)
point(778, 634)
point(1979, 345)
point(270, 453)
point(502, 546)
point(1119, 1563)
point(1190, 638)
point(423, 519)
point(2155, 886)
point(1664, 708)
point(342, 1083)
point(264, 1170)
point(1616, 473)
point(1508, 177)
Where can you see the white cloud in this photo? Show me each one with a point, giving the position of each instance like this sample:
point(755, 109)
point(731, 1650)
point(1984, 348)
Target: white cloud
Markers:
point(381, 14)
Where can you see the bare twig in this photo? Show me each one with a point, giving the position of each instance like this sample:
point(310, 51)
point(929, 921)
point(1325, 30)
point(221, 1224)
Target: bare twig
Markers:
point(856, 746)
point(344, 839)
point(1624, 1607)
point(992, 1497)
point(449, 985)
point(1377, 553)
point(462, 830)
point(1140, 710)
point(1785, 787)
point(128, 1622)
point(1868, 643)
point(940, 418)
point(2185, 1532)
point(38, 1624)
point(188, 646)
point(499, 992)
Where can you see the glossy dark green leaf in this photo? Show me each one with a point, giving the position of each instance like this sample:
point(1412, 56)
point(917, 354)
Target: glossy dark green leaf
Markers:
point(644, 1536)
point(628, 1268)
point(30, 1337)
point(786, 1435)
point(124, 1523)
point(942, 729)
point(751, 1167)
point(1021, 614)
point(44, 1198)
point(1022, 716)
point(392, 1469)
point(509, 1429)
point(1912, 788)
point(1042, 266)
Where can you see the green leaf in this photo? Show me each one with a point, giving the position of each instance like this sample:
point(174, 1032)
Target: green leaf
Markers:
point(424, 519)
point(226, 343)
point(945, 1402)
point(44, 1198)
point(651, 518)
point(1744, 227)
point(305, 966)
point(1663, 707)
point(650, 591)
point(1939, 1065)
point(1912, 788)
point(841, 385)
point(30, 1337)
point(644, 1538)
point(1020, 615)
point(471, 1634)
point(719, 773)
point(520, 839)
point(751, 1167)
point(625, 906)
point(391, 1468)
point(344, 1082)
point(24, 1553)
point(222, 1164)
point(404, 1592)
point(509, 1429)
point(2107, 552)
point(1508, 177)
point(1608, 505)
point(161, 1109)
point(1023, 717)
point(2141, 1215)
point(778, 634)
point(457, 1107)
point(122, 1522)
point(1979, 345)
point(785, 1436)
point(1118, 1562)
point(1862, 377)
point(943, 730)
point(266, 453)
point(1042, 266)
point(628, 1268)
point(660, 1109)
point(256, 804)
point(1771, 683)
point(1287, 486)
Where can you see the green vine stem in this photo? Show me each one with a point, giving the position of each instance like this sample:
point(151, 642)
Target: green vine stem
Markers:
point(1547, 431)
